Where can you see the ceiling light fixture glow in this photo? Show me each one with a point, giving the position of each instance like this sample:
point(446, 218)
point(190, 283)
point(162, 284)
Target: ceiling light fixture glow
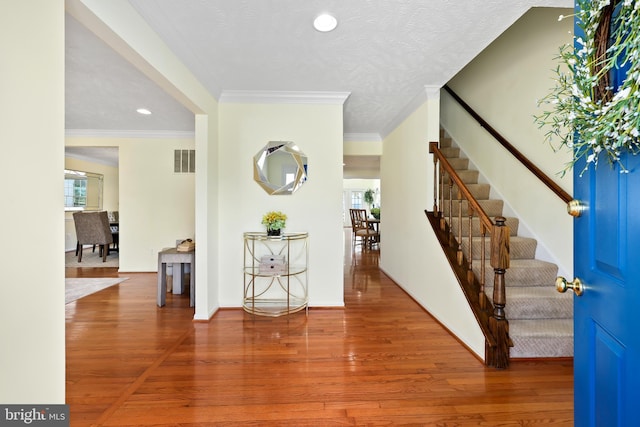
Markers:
point(325, 23)
point(143, 111)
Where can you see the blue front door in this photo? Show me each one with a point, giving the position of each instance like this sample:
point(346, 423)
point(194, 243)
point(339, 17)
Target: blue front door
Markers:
point(607, 260)
point(606, 316)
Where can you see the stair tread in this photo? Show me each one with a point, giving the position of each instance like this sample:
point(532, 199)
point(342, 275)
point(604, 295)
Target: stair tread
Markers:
point(480, 191)
point(491, 207)
point(445, 142)
point(511, 222)
point(529, 281)
point(535, 302)
point(512, 239)
point(541, 338)
point(531, 264)
point(519, 247)
point(546, 272)
point(541, 327)
point(468, 176)
point(458, 163)
point(450, 152)
point(536, 292)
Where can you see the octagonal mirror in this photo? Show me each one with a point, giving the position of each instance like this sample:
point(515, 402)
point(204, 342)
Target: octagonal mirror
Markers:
point(280, 167)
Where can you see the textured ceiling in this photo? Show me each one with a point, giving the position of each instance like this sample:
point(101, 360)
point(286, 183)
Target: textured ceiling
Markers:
point(103, 90)
point(384, 52)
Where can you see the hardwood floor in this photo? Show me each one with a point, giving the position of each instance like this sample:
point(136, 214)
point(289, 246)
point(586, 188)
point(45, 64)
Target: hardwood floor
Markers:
point(382, 360)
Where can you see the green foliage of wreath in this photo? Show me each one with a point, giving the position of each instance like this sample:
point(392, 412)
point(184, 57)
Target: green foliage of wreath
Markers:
point(585, 113)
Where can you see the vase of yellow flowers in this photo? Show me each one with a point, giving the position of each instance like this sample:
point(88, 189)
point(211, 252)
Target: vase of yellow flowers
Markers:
point(275, 222)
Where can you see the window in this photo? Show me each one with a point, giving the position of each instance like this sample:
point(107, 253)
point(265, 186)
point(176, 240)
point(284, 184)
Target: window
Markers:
point(75, 193)
point(356, 199)
point(82, 191)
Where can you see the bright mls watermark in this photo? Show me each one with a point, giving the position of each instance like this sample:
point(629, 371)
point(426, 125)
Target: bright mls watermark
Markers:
point(34, 415)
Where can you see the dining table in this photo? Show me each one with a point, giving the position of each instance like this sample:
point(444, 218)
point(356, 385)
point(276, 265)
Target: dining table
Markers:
point(374, 224)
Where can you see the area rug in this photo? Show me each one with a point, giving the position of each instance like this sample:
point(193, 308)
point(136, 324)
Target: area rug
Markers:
point(74, 289)
point(90, 259)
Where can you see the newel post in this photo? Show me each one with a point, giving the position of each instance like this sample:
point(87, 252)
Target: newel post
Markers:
point(498, 323)
point(433, 145)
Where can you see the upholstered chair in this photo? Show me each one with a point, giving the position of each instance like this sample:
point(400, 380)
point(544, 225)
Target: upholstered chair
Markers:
point(92, 228)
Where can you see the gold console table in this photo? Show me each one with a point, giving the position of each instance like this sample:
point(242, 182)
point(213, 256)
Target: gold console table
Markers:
point(275, 273)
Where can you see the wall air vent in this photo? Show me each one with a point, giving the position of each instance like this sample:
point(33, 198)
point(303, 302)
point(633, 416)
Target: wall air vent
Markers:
point(184, 161)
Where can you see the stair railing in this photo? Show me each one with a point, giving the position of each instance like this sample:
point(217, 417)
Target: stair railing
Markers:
point(447, 181)
point(551, 184)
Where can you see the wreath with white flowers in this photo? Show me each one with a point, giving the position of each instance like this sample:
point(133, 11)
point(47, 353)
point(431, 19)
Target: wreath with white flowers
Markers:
point(587, 114)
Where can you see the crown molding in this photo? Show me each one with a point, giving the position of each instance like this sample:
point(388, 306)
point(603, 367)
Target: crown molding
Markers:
point(282, 97)
point(362, 137)
point(152, 134)
point(93, 159)
point(429, 92)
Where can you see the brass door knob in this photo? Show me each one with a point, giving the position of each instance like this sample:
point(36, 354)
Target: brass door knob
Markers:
point(562, 285)
point(576, 207)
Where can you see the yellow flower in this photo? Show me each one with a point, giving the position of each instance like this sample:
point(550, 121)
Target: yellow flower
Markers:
point(274, 220)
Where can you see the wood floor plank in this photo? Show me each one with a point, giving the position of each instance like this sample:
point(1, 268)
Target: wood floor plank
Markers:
point(382, 360)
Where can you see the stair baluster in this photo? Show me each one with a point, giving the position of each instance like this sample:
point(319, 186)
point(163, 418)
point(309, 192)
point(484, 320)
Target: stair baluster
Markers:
point(482, 296)
point(435, 184)
point(496, 325)
point(451, 236)
point(470, 276)
point(459, 250)
point(442, 218)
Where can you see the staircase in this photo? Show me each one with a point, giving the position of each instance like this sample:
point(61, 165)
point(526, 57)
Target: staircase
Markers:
point(540, 319)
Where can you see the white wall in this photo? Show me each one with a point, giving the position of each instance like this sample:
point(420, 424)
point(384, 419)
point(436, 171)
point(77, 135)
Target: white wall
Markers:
point(368, 147)
point(315, 208)
point(411, 254)
point(156, 205)
point(110, 188)
point(32, 318)
point(503, 85)
point(207, 215)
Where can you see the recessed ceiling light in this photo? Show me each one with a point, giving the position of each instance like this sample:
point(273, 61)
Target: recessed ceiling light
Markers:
point(143, 111)
point(325, 23)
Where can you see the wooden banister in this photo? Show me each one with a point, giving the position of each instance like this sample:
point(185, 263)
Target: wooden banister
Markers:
point(444, 163)
point(493, 323)
point(566, 197)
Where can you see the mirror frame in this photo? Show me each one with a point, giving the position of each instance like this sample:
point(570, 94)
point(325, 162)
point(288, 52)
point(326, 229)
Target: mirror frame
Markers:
point(272, 148)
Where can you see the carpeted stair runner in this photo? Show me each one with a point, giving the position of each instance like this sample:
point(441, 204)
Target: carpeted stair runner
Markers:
point(540, 319)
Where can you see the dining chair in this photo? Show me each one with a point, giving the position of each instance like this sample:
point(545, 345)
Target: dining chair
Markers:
point(360, 228)
point(92, 228)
